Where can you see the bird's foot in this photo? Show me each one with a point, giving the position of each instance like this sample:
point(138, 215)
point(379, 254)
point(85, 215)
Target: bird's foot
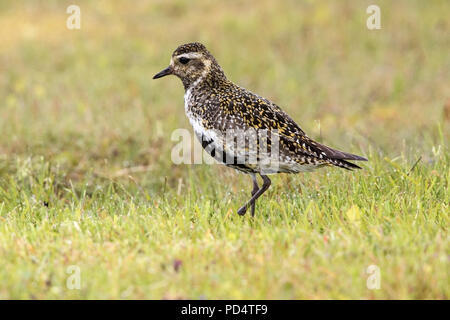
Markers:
point(242, 210)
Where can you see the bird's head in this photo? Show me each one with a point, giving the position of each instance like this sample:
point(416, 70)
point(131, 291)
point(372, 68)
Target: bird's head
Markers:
point(192, 63)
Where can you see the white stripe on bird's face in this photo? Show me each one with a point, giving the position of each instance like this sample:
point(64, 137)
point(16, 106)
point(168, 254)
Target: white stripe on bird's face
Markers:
point(190, 55)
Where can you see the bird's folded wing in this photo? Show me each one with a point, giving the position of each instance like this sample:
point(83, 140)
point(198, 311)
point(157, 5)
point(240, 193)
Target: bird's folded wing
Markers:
point(254, 112)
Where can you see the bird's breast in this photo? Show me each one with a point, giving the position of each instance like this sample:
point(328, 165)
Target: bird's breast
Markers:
point(196, 120)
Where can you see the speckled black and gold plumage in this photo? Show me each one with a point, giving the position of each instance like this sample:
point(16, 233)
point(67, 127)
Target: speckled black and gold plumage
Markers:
point(214, 105)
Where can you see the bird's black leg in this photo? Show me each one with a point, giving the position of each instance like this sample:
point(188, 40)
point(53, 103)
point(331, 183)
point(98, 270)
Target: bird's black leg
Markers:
point(254, 191)
point(251, 202)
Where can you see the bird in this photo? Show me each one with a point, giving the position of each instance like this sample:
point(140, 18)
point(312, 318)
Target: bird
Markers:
point(242, 129)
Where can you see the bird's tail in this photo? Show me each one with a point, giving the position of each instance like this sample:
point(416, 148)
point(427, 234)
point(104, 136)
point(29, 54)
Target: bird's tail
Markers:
point(343, 164)
point(340, 158)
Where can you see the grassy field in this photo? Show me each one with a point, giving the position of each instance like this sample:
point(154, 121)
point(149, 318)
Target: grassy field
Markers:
point(86, 177)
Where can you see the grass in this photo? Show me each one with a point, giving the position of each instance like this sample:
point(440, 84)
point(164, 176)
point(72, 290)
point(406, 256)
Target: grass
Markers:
point(86, 178)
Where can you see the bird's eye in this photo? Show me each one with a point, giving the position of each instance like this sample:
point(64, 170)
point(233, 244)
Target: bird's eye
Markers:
point(184, 60)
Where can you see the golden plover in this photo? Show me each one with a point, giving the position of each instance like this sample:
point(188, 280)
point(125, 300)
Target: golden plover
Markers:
point(260, 129)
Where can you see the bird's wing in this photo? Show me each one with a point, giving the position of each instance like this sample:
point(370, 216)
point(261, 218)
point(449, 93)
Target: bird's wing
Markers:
point(248, 110)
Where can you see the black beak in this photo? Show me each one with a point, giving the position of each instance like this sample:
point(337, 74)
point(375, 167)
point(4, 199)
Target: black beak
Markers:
point(163, 73)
